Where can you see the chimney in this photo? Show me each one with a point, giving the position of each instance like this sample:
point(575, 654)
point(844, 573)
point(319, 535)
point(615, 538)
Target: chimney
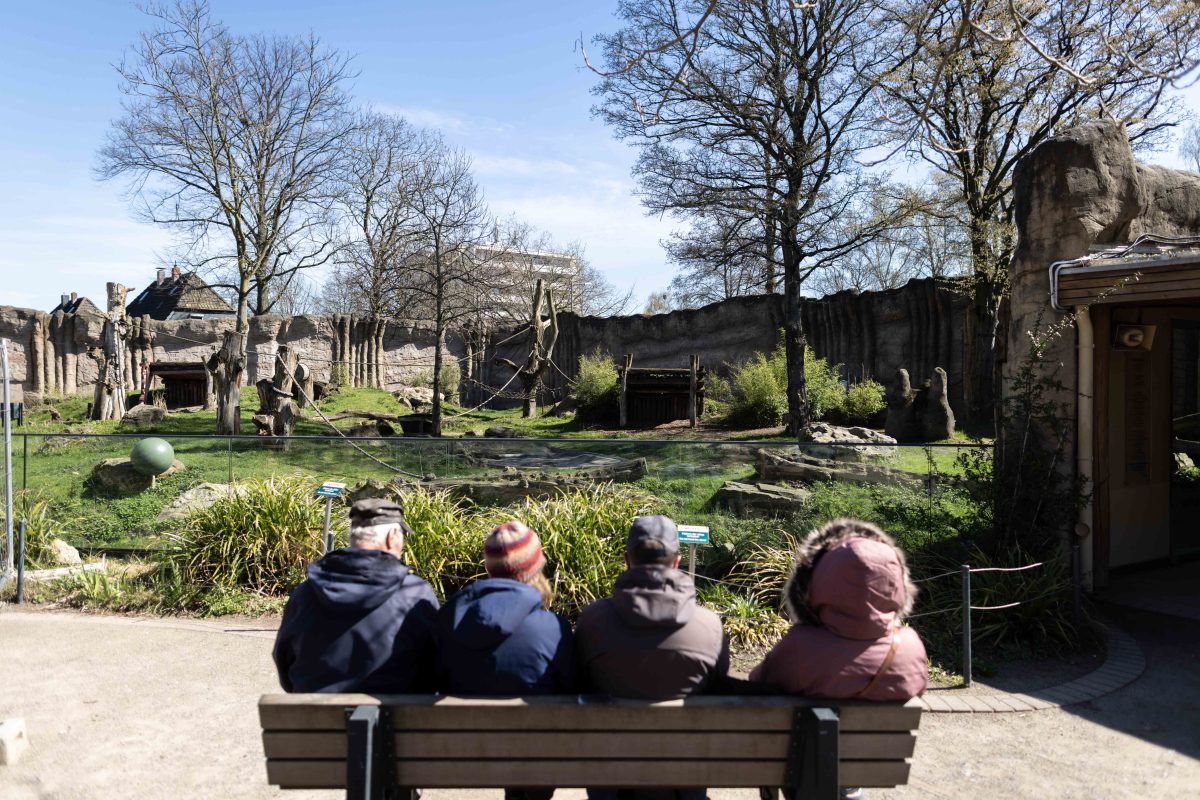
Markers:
point(162, 276)
point(175, 273)
point(66, 301)
point(74, 296)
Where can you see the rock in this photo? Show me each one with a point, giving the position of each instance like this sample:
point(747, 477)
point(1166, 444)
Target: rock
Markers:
point(143, 415)
point(899, 423)
point(746, 499)
point(472, 434)
point(197, 498)
point(63, 554)
point(415, 397)
point(117, 476)
point(774, 465)
point(936, 419)
point(372, 488)
point(921, 415)
point(366, 430)
point(846, 444)
point(501, 432)
point(562, 408)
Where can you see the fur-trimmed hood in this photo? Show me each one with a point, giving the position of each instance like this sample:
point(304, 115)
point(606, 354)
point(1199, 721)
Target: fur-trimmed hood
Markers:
point(850, 577)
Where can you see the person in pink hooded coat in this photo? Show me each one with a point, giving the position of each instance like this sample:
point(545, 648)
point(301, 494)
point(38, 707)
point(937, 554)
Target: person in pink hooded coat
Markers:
point(848, 596)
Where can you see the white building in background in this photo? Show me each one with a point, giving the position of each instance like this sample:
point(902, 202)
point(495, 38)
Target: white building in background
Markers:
point(513, 274)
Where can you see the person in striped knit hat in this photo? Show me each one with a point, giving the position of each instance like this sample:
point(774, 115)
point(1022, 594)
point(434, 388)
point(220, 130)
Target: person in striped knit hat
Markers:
point(497, 636)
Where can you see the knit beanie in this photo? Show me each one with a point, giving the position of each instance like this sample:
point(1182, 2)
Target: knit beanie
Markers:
point(514, 551)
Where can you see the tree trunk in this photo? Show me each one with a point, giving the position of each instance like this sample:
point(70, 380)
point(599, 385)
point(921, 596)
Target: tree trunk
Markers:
point(277, 413)
point(226, 367)
point(980, 335)
point(108, 402)
point(793, 338)
point(437, 379)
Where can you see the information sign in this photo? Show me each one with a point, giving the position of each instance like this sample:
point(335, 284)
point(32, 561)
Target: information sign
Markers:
point(693, 534)
point(330, 489)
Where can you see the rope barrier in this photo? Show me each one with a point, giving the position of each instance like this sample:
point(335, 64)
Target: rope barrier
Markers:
point(349, 441)
point(1008, 569)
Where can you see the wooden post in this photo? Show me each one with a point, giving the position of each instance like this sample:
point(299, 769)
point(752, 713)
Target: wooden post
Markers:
point(694, 369)
point(628, 361)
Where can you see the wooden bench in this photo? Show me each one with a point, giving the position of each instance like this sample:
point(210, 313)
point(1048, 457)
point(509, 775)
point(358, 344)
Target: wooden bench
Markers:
point(367, 743)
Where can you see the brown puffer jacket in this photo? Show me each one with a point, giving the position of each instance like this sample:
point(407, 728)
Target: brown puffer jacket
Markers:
point(650, 640)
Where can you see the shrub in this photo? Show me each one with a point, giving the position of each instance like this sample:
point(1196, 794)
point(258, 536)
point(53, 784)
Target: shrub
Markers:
point(451, 377)
point(595, 388)
point(826, 394)
point(759, 397)
point(260, 538)
point(863, 402)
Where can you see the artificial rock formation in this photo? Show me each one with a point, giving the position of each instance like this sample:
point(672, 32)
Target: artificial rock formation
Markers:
point(1075, 190)
point(922, 414)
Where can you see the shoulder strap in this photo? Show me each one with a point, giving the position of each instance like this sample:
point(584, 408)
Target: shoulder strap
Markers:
point(883, 668)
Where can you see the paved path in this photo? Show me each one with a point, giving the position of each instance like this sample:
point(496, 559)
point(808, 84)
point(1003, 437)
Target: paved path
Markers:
point(148, 709)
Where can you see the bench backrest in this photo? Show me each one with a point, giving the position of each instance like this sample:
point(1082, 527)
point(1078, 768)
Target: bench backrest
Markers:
point(569, 741)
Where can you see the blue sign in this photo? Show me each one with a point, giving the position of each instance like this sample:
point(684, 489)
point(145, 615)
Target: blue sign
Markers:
point(330, 489)
point(693, 534)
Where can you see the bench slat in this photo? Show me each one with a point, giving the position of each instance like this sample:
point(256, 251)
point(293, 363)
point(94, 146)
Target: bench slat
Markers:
point(291, 774)
point(556, 713)
point(434, 744)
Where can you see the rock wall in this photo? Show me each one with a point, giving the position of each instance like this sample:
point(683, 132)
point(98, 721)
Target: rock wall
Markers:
point(872, 334)
point(918, 326)
point(51, 354)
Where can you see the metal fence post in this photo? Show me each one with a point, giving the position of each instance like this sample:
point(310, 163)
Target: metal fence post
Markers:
point(21, 564)
point(966, 623)
point(1076, 588)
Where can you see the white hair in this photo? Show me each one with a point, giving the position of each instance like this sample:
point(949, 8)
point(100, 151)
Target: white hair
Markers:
point(371, 535)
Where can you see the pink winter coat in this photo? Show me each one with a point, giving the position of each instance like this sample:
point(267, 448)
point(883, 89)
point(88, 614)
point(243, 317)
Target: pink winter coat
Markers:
point(857, 591)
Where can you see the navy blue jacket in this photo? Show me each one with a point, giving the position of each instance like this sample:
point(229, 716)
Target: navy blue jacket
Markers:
point(495, 638)
point(360, 623)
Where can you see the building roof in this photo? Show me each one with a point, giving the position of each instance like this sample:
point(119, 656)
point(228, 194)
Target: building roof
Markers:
point(180, 291)
point(74, 304)
point(1152, 268)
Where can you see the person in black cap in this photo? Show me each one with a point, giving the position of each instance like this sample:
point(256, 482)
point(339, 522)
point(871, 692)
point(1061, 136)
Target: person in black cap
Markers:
point(362, 622)
point(650, 640)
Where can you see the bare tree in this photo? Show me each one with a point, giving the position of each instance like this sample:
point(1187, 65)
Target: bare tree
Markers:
point(232, 142)
point(976, 96)
point(657, 303)
point(722, 256)
point(755, 109)
point(1189, 147)
point(385, 159)
point(449, 272)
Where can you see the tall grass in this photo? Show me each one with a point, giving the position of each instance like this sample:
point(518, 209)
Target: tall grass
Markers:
point(583, 534)
point(260, 538)
point(40, 527)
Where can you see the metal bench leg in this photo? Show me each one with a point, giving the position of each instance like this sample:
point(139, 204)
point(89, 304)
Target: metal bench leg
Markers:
point(362, 771)
point(812, 766)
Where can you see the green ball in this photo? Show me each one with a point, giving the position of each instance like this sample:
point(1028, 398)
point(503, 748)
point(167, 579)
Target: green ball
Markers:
point(152, 456)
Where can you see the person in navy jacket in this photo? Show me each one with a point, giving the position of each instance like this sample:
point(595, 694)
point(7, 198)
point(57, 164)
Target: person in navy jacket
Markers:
point(362, 622)
point(498, 637)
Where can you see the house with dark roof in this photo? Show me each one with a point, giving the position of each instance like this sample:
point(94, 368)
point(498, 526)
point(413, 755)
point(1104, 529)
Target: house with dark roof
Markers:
point(183, 295)
point(74, 304)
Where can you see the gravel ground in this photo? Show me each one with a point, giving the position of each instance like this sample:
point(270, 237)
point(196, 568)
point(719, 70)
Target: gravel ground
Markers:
point(147, 709)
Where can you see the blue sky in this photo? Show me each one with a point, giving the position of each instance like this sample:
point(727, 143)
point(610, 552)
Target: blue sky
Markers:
point(503, 80)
